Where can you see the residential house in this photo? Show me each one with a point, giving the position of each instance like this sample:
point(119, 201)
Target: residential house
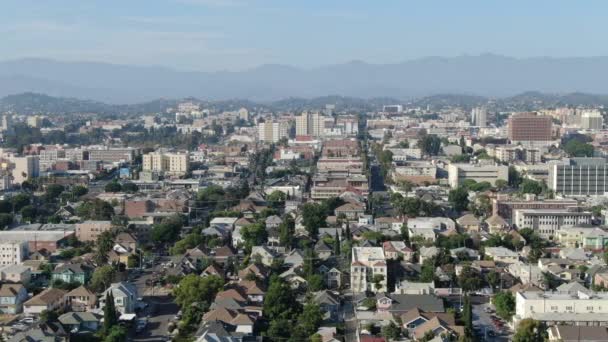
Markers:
point(351, 211)
point(469, 223)
point(427, 253)
point(264, 254)
point(48, 300)
point(12, 297)
point(398, 304)
point(81, 299)
point(273, 222)
point(16, 274)
point(502, 255)
point(394, 250)
point(78, 322)
point(125, 297)
point(323, 250)
point(329, 303)
point(259, 271)
point(496, 224)
point(71, 273)
point(414, 288)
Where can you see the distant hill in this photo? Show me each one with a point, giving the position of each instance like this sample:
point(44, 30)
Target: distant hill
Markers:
point(484, 75)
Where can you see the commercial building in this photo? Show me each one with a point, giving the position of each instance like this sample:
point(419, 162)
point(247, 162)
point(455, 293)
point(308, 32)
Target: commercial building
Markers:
point(457, 173)
point(581, 308)
point(529, 127)
point(50, 240)
point(13, 252)
point(172, 163)
point(35, 121)
point(270, 131)
point(368, 270)
point(506, 207)
point(581, 177)
point(113, 155)
point(592, 120)
point(547, 222)
point(90, 230)
point(325, 186)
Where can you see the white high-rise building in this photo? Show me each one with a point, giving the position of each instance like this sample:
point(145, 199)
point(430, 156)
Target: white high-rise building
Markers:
point(312, 124)
point(592, 120)
point(479, 116)
point(270, 131)
point(7, 123)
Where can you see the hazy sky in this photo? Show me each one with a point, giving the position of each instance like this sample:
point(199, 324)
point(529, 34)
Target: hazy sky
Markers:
point(239, 34)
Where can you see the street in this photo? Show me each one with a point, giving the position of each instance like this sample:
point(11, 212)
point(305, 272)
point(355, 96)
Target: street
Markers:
point(484, 326)
point(160, 310)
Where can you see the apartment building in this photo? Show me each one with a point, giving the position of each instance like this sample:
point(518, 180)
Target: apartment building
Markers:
point(368, 270)
point(457, 173)
point(13, 252)
point(112, 154)
point(415, 172)
point(547, 222)
point(312, 124)
point(172, 163)
point(25, 168)
point(272, 132)
point(592, 120)
point(586, 237)
point(581, 308)
point(90, 230)
point(325, 186)
point(581, 177)
point(344, 166)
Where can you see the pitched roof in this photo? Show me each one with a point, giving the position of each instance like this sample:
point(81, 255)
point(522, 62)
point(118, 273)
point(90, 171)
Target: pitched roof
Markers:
point(220, 314)
point(468, 220)
point(47, 296)
point(80, 291)
point(10, 290)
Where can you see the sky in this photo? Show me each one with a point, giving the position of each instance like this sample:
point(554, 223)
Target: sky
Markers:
point(213, 35)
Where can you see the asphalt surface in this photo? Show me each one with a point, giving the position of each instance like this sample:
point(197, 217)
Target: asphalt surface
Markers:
point(482, 321)
point(161, 308)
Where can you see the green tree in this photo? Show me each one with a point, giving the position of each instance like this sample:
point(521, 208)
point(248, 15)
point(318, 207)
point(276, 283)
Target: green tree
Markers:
point(514, 177)
point(19, 201)
point(48, 316)
point(501, 184)
point(6, 207)
point(505, 304)
point(195, 289)
point(113, 186)
point(427, 271)
point(117, 333)
point(576, 148)
point(313, 217)
point(529, 330)
point(110, 316)
point(79, 190)
point(5, 220)
point(276, 199)
point(469, 280)
point(102, 278)
point(430, 144)
point(308, 322)
point(459, 198)
point(287, 231)
point(168, 230)
point(104, 244)
point(529, 186)
point(95, 210)
point(280, 300)
point(337, 245)
point(53, 191)
point(391, 331)
point(467, 316)
point(254, 234)
point(28, 213)
point(130, 187)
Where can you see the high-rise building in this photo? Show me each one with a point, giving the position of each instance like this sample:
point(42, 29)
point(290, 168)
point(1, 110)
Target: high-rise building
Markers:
point(479, 116)
point(582, 177)
point(25, 168)
point(592, 120)
point(270, 131)
point(529, 127)
point(7, 123)
point(244, 114)
point(312, 124)
point(35, 121)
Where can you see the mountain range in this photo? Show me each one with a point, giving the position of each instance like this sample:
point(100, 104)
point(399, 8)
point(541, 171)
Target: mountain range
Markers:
point(484, 75)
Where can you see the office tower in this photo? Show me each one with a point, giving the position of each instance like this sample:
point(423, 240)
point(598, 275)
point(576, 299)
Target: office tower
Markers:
point(592, 120)
point(529, 127)
point(479, 116)
point(582, 177)
point(392, 109)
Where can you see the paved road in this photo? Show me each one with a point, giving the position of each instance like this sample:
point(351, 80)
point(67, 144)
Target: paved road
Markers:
point(350, 320)
point(483, 321)
point(377, 181)
point(161, 308)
